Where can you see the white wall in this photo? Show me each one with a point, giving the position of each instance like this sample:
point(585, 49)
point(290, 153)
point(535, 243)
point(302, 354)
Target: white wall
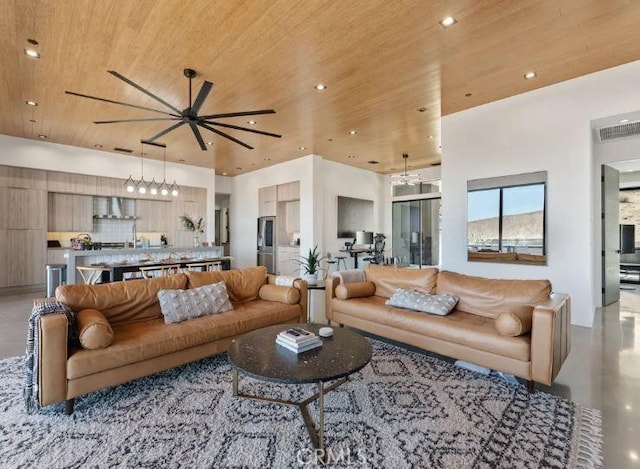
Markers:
point(49, 156)
point(339, 179)
point(544, 130)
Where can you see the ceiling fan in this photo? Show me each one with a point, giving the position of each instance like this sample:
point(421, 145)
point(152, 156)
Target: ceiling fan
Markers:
point(188, 116)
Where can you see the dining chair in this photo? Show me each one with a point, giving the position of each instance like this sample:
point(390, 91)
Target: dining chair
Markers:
point(153, 271)
point(91, 274)
point(214, 266)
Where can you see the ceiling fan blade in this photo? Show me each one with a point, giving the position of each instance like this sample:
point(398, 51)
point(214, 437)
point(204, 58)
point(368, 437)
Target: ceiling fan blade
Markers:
point(237, 114)
point(121, 103)
point(140, 88)
point(137, 120)
point(222, 134)
point(165, 131)
point(202, 95)
point(245, 129)
point(196, 132)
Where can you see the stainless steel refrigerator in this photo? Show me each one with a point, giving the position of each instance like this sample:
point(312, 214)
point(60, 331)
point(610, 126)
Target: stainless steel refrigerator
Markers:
point(267, 243)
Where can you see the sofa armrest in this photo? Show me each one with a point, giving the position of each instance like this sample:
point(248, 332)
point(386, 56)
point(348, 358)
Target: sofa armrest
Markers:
point(300, 285)
point(330, 285)
point(52, 358)
point(550, 337)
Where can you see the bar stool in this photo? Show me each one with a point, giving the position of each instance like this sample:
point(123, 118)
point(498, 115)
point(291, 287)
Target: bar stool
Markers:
point(163, 270)
point(343, 260)
point(92, 274)
point(205, 266)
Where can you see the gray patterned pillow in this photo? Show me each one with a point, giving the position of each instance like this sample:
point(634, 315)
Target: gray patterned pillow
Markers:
point(419, 301)
point(180, 305)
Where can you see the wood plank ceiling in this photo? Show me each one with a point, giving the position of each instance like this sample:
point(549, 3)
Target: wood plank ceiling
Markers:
point(380, 60)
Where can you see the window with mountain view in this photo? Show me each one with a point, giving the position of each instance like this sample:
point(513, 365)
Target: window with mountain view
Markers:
point(506, 219)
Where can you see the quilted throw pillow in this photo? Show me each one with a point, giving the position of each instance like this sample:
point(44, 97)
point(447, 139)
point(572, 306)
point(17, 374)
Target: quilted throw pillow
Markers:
point(180, 305)
point(420, 301)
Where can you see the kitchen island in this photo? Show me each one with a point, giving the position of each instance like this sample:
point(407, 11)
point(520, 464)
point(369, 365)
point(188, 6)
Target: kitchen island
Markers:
point(129, 260)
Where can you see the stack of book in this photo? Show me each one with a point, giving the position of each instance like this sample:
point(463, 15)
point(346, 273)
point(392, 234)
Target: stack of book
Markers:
point(298, 340)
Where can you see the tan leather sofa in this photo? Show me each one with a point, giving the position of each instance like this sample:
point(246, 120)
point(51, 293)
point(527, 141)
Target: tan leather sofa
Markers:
point(469, 332)
point(143, 344)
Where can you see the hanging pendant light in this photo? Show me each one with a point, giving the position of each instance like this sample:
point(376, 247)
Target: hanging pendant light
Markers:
point(130, 184)
point(142, 185)
point(154, 187)
point(405, 178)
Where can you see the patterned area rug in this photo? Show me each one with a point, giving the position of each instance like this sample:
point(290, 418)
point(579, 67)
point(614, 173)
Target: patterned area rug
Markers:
point(403, 410)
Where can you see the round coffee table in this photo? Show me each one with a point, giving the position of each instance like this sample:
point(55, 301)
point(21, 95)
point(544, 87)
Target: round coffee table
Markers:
point(256, 354)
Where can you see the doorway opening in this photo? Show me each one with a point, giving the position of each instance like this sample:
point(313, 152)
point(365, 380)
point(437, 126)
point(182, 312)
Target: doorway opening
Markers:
point(221, 233)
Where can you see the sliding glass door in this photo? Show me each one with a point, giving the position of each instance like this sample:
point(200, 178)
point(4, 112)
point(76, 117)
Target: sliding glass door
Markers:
point(416, 232)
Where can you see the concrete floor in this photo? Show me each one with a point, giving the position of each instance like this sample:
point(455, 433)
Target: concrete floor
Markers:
point(602, 371)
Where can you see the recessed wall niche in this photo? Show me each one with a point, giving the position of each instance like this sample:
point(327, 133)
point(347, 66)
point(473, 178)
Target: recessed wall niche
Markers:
point(354, 215)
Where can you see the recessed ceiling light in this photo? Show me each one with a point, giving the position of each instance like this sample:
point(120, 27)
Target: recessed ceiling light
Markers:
point(251, 122)
point(34, 54)
point(352, 132)
point(239, 168)
point(422, 109)
point(448, 21)
point(31, 103)
point(267, 159)
point(33, 121)
point(302, 148)
point(97, 145)
point(209, 143)
point(624, 121)
point(351, 156)
point(321, 87)
point(42, 136)
point(430, 136)
point(629, 170)
point(530, 75)
point(329, 140)
point(468, 95)
point(32, 41)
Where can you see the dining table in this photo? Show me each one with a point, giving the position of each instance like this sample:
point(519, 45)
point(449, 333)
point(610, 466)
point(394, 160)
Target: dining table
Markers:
point(117, 270)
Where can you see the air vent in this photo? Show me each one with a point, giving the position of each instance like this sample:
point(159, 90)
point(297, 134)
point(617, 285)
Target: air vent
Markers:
point(373, 162)
point(436, 164)
point(125, 150)
point(630, 129)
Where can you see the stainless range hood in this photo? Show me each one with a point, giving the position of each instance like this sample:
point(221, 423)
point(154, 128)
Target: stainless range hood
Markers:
point(114, 210)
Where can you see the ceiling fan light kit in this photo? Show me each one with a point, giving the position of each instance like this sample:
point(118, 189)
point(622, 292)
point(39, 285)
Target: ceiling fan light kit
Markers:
point(405, 179)
point(188, 116)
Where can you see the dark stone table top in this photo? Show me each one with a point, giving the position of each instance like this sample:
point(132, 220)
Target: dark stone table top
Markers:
point(257, 354)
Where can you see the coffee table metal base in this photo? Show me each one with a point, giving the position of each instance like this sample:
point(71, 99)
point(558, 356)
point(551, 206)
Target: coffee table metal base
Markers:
point(316, 435)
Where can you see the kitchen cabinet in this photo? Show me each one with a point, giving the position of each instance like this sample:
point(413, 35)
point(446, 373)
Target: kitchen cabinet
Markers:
point(267, 197)
point(68, 212)
point(286, 260)
point(26, 257)
point(151, 215)
point(56, 256)
point(25, 178)
point(23, 208)
point(71, 183)
point(288, 192)
point(292, 217)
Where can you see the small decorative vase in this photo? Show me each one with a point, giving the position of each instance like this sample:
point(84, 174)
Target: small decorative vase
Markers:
point(196, 240)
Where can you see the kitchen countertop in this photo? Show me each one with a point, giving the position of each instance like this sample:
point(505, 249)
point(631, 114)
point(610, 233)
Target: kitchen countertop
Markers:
point(123, 251)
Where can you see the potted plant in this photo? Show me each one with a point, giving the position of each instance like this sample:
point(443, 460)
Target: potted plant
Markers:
point(310, 265)
point(196, 227)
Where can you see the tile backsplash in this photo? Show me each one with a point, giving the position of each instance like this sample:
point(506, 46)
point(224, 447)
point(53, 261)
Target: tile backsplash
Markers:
point(106, 231)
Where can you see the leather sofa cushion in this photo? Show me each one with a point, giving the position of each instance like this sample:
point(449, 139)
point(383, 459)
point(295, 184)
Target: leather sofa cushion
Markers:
point(388, 279)
point(140, 341)
point(470, 330)
point(121, 302)
point(281, 294)
point(491, 297)
point(242, 284)
point(355, 290)
point(516, 322)
point(94, 331)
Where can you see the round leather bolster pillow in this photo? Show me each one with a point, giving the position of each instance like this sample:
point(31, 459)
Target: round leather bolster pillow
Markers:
point(355, 290)
point(279, 293)
point(94, 330)
point(516, 322)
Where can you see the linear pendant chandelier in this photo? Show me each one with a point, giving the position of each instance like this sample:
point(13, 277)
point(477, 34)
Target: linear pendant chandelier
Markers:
point(404, 178)
point(141, 186)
